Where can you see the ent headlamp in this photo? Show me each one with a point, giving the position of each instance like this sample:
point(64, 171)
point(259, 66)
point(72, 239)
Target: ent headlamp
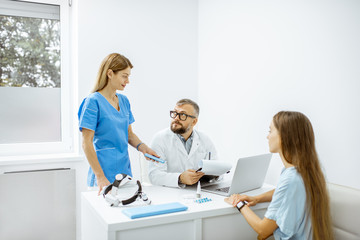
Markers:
point(115, 199)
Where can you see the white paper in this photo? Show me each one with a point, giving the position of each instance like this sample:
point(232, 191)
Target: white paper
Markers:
point(213, 167)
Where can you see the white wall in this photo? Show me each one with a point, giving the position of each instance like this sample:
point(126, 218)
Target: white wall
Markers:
point(259, 57)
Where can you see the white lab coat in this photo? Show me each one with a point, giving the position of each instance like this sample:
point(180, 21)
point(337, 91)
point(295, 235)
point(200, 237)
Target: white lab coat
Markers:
point(170, 148)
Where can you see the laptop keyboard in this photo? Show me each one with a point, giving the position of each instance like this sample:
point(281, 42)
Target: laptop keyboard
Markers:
point(224, 189)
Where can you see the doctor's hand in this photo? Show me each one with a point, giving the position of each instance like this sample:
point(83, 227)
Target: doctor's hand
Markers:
point(102, 182)
point(236, 198)
point(190, 177)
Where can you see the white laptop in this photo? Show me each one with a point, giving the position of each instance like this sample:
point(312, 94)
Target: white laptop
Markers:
point(249, 174)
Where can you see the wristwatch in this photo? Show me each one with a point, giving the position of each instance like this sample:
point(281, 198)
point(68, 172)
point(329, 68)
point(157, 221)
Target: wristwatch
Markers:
point(240, 205)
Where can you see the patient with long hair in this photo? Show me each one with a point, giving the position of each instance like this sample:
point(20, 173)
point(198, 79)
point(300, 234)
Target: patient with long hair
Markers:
point(299, 205)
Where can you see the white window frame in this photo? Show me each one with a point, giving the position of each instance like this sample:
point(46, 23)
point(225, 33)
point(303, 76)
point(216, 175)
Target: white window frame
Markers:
point(68, 147)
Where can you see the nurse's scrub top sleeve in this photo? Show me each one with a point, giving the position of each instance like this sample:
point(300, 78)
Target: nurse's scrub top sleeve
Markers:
point(110, 128)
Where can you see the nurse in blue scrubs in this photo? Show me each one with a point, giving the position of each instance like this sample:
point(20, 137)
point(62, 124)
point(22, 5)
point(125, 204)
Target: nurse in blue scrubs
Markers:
point(105, 120)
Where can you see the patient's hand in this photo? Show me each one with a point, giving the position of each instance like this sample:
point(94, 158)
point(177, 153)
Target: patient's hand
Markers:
point(236, 198)
point(190, 177)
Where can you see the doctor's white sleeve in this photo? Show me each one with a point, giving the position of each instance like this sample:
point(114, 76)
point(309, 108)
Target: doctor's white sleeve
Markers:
point(158, 173)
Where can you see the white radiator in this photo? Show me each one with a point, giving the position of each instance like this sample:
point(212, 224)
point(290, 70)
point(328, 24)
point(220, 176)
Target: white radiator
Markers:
point(38, 205)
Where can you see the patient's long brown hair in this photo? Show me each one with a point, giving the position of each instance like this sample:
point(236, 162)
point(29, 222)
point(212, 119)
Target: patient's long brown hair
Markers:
point(298, 148)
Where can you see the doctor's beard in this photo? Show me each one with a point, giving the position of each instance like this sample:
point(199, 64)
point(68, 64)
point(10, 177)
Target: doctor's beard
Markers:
point(180, 130)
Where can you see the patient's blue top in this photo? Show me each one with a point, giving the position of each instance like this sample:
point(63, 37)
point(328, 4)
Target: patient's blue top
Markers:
point(289, 208)
point(110, 128)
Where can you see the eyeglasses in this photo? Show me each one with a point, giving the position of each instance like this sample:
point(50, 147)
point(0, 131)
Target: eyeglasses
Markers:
point(182, 116)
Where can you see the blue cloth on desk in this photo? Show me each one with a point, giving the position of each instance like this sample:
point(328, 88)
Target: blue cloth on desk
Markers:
point(153, 210)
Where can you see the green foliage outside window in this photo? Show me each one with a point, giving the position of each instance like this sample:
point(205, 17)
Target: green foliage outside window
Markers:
point(29, 52)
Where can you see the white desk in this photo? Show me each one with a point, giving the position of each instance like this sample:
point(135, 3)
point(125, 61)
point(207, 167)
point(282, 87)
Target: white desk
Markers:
point(210, 220)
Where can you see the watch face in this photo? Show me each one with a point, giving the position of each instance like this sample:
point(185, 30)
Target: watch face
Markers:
point(240, 204)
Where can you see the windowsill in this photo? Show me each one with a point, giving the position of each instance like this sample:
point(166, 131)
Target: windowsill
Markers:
point(45, 158)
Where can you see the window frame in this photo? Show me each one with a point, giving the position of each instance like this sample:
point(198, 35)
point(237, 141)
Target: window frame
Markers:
point(69, 144)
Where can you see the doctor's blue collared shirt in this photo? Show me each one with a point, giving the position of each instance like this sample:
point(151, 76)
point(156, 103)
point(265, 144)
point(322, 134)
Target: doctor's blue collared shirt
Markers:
point(110, 128)
point(187, 143)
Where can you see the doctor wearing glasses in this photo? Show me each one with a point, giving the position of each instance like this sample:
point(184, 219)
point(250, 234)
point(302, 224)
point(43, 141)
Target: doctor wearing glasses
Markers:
point(182, 147)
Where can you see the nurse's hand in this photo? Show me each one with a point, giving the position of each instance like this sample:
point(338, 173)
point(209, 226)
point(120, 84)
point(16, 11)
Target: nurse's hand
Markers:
point(190, 177)
point(102, 182)
point(145, 149)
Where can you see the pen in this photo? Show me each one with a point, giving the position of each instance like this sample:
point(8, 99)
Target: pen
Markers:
point(198, 170)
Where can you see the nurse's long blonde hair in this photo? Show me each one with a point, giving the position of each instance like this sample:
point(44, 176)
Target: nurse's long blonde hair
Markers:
point(298, 148)
point(114, 61)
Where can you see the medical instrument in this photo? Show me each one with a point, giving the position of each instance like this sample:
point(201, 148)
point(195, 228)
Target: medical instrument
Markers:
point(114, 198)
point(198, 190)
point(154, 158)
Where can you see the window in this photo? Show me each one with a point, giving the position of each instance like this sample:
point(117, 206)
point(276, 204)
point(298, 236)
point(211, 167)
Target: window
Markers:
point(36, 116)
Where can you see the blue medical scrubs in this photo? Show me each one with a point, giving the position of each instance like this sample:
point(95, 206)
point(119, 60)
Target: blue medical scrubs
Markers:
point(111, 134)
